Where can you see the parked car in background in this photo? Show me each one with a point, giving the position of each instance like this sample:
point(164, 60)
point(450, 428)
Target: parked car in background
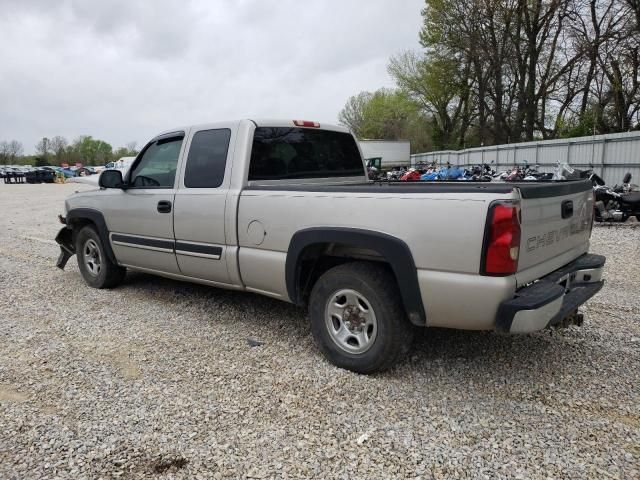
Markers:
point(40, 175)
point(122, 162)
point(83, 171)
point(14, 175)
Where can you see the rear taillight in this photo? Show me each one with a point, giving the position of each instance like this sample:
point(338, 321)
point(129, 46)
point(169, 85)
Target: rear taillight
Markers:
point(502, 239)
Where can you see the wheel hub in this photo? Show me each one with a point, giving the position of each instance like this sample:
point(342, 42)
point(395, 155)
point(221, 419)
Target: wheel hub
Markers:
point(353, 320)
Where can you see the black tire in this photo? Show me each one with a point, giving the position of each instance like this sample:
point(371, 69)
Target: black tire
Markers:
point(108, 275)
point(378, 287)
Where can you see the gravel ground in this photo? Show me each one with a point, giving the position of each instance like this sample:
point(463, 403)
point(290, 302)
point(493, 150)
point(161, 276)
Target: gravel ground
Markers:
point(158, 378)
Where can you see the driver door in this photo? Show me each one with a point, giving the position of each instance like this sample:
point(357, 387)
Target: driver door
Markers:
point(140, 218)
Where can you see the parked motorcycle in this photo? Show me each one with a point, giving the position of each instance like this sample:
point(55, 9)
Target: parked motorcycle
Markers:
point(373, 173)
point(445, 173)
point(615, 204)
point(564, 171)
point(411, 175)
point(627, 186)
point(480, 173)
point(525, 173)
point(395, 173)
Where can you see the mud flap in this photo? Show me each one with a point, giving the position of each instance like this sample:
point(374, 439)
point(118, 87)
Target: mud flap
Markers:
point(67, 249)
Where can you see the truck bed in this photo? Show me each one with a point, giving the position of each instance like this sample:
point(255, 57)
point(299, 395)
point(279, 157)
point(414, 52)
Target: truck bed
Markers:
point(442, 222)
point(539, 189)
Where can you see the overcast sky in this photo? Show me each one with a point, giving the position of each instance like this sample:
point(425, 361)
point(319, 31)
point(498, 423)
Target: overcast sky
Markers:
point(123, 70)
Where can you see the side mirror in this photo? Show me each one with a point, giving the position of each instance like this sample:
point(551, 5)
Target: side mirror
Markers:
point(111, 179)
point(627, 178)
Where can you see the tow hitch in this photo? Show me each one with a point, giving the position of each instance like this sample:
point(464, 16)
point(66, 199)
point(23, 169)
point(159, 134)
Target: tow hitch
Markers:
point(67, 249)
point(573, 318)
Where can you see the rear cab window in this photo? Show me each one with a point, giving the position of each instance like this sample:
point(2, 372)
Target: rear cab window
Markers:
point(207, 158)
point(280, 153)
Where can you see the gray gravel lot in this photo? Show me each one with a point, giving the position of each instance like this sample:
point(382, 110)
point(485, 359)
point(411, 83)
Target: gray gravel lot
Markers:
point(157, 378)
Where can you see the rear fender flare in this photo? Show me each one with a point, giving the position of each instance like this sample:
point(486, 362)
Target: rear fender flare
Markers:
point(395, 251)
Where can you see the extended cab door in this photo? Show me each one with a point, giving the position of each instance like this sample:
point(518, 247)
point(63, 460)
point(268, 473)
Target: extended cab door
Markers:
point(199, 215)
point(140, 218)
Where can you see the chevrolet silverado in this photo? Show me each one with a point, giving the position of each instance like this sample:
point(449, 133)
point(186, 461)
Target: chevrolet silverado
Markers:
point(285, 209)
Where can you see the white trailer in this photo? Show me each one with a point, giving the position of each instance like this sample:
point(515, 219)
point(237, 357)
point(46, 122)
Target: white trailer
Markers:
point(393, 152)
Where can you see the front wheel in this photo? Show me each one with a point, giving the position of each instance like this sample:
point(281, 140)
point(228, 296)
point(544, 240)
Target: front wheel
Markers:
point(357, 318)
point(95, 266)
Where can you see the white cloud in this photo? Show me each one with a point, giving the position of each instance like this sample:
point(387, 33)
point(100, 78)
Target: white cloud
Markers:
point(124, 70)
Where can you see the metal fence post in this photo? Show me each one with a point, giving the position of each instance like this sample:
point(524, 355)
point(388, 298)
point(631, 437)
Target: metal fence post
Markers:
point(603, 157)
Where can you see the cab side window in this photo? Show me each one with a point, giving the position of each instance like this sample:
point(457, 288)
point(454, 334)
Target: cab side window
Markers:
point(207, 158)
point(157, 167)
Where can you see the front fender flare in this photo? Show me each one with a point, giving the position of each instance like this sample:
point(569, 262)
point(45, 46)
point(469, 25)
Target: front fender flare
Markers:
point(395, 251)
point(79, 215)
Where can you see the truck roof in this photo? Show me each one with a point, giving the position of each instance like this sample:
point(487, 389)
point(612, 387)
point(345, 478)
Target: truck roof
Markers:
point(271, 122)
point(260, 122)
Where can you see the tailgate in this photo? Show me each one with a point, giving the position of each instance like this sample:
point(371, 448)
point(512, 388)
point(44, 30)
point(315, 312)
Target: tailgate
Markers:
point(556, 226)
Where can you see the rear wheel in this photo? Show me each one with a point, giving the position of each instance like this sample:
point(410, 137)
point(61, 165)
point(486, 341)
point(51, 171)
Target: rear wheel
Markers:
point(95, 266)
point(357, 318)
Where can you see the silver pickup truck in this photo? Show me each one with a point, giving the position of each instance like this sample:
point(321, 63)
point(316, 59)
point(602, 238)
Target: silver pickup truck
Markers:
point(285, 209)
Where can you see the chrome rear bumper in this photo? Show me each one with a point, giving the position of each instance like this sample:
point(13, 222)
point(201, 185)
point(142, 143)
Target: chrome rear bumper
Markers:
point(549, 300)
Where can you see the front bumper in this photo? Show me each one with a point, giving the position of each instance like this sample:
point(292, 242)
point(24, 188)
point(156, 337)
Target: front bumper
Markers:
point(552, 298)
point(67, 249)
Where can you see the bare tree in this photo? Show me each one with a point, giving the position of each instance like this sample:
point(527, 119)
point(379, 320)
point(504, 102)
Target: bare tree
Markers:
point(58, 146)
point(4, 152)
point(10, 151)
point(498, 71)
point(43, 147)
point(132, 147)
point(15, 150)
point(477, 34)
point(536, 64)
point(634, 6)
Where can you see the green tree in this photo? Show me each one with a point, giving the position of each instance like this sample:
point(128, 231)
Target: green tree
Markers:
point(129, 150)
point(352, 115)
point(386, 114)
point(439, 85)
point(91, 151)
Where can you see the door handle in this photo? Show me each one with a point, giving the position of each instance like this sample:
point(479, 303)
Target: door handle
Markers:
point(164, 206)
